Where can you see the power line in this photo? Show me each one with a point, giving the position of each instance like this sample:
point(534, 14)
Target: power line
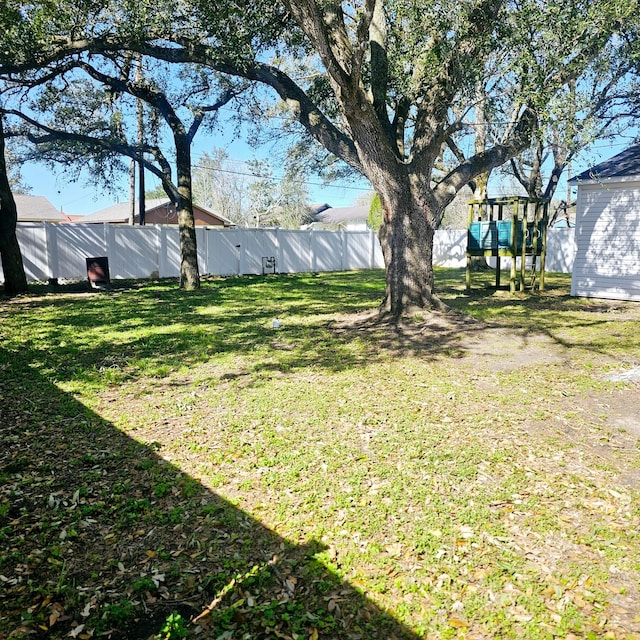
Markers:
point(276, 178)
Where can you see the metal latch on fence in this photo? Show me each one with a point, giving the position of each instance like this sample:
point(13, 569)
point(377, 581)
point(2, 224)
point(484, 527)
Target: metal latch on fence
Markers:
point(268, 264)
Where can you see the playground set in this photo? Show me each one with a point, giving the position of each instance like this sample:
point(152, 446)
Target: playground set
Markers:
point(514, 227)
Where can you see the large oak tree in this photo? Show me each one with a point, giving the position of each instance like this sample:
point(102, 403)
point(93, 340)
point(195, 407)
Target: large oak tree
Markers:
point(385, 85)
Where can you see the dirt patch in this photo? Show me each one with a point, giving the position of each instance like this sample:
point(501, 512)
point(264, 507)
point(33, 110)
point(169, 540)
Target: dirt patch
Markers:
point(452, 334)
point(606, 422)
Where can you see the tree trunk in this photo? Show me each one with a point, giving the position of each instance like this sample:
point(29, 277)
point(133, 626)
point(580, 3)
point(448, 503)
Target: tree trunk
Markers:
point(15, 279)
point(189, 273)
point(406, 237)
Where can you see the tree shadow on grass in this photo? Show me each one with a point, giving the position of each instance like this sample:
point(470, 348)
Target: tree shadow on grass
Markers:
point(103, 538)
point(123, 334)
point(568, 322)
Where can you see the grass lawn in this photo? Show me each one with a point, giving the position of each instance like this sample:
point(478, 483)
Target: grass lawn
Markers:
point(172, 465)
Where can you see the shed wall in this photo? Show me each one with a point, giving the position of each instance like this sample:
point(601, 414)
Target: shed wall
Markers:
point(607, 262)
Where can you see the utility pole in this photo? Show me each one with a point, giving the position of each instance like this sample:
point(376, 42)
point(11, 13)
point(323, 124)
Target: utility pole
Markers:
point(140, 118)
point(132, 191)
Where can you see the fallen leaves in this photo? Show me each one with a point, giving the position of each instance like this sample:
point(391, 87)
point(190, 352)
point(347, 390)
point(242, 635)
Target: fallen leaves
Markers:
point(442, 492)
point(458, 623)
point(56, 611)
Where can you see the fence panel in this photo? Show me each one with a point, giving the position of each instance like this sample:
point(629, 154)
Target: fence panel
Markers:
point(223, 252)
point(378, 257)
point(76, 243)
point(326, 248)
point(59, 251)
point(169, 249)
point(561, 250)
point(450, 248)
point(357, 250)
point(270, 246)
point(133, 253)
point(254, 245)
point(32, 238)
point(295, 252)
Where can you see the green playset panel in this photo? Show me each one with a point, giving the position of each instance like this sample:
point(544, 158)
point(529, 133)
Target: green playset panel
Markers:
point(489, 235)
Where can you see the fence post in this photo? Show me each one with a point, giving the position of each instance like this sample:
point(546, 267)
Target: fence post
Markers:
point(314, 251)
point(372, 245)
point(207, 250)
point(241, 257)
point(279, 250)
point(51, 245)
point(157, 241)
point(108, 237)
point(344, 258)
point(162, 251)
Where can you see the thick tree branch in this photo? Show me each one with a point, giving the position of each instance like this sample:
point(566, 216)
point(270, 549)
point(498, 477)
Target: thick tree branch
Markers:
point(362, 43)
point(143, 91)
point(327, 31)
point(113, 145)
point(459, 156)
point(304, 109)
point(398, 126)
point(380, 67)
point(307, 113)
point(200, 112)
point(445, 191)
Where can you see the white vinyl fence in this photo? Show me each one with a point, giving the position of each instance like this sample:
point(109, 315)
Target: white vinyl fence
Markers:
point(60, 250)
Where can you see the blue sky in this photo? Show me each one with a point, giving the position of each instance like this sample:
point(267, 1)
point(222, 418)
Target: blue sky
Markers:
point(80, 197)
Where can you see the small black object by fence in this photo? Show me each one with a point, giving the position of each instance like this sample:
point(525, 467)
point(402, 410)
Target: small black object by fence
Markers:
point(268, 265)
point(98, 272)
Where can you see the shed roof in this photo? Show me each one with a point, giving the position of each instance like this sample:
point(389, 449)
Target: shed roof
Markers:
point(623, 165)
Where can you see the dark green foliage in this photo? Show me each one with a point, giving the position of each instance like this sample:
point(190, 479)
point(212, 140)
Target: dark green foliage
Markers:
point(375, 213)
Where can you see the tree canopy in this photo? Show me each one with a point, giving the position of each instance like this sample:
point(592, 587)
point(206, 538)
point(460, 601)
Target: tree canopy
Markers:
point(84, 109)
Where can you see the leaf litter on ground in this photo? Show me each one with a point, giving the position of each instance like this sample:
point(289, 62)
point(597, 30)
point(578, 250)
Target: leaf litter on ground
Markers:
point(441, 477)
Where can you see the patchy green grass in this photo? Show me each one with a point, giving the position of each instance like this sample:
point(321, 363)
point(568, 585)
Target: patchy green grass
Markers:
point(173, 464)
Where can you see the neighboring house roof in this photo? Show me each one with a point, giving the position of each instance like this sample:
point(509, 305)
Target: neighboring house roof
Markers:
point(342, 215)
point(116, 213)
point(624, 165)
point(37, 209)
point(119, 213)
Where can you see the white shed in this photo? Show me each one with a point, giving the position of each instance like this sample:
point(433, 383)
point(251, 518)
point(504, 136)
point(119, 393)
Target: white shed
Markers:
point(607, 263)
